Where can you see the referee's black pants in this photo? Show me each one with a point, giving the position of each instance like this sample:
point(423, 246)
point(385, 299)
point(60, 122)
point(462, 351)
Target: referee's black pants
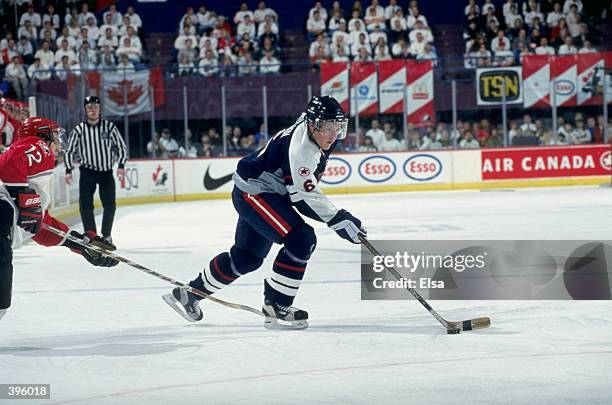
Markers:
point(87, 187)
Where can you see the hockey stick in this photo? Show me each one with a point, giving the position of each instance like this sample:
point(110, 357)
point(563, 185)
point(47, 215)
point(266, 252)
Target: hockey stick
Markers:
point(452, 327)
point(187, 287)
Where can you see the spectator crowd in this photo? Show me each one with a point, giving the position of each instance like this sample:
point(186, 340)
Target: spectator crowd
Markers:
point(50, 44)
point(500, 37)
point(209, 144)
point(371, 33)
point(209, 44)
point(578, 129)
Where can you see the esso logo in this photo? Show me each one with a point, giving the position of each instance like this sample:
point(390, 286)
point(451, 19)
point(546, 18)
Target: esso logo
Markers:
point(377, 169)
point(337, 171)
point(422, 167)
point(606, 160)
point(564, 87)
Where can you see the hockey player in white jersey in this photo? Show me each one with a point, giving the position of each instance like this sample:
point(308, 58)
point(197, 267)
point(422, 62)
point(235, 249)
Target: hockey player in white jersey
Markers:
point(272, 187)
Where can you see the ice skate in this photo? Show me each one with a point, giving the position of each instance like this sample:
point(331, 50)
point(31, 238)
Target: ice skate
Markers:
point(109, 243)
point(284, 317)
point(101, 242)
point(185, 304)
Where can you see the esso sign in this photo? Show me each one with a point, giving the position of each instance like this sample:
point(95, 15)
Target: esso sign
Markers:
point(337, 171)
point(422, 167)
point(564, 87)
point(377, 169)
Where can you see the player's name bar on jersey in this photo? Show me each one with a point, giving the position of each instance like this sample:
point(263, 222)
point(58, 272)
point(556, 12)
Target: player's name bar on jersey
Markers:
point(488, 270)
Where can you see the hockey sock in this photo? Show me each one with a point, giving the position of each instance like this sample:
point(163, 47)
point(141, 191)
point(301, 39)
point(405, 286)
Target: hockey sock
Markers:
point(287, 273)
point(218, 274)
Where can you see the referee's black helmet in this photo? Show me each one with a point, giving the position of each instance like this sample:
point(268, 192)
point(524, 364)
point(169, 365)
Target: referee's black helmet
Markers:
point(91, 100)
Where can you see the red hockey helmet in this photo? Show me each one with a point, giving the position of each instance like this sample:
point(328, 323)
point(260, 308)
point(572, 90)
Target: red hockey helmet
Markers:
point(44, 128)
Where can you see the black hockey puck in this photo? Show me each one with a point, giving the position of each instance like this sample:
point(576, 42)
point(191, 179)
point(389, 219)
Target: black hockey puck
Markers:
point(453, 331)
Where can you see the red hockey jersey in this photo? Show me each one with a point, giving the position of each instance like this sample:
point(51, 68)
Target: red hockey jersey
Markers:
point(29, 162)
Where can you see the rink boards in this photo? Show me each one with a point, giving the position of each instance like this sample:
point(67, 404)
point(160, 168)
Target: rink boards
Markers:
point(191, 179)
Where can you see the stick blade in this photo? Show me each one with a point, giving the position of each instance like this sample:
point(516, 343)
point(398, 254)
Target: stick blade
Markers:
point(470, 324)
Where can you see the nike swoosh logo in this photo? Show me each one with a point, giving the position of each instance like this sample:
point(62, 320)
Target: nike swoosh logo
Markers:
point(212, 184)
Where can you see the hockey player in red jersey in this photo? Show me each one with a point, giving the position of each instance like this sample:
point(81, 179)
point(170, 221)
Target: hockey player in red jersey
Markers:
point(25, 180)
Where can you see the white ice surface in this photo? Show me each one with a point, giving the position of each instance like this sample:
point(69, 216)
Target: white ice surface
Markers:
point(106, 337)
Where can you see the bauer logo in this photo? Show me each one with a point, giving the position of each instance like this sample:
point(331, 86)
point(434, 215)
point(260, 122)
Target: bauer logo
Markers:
point(337, 171)
point(422, 167)
point(377, 169)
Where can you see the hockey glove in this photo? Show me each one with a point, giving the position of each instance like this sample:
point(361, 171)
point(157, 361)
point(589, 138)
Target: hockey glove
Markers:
point(347, 226)
point(30, 210)
point(90, 255)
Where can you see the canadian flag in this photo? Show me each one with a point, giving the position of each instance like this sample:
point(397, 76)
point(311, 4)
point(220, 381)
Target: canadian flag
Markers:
point(130, 91)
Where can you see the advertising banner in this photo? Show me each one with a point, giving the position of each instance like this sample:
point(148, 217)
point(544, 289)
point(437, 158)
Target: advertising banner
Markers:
point(335, 82)
point(563, 73)
point(146, 178)
point(536, 81)
point(391, 82)
point(364, 88)
point(560, 161)
point(419, 78)
point(490, 84)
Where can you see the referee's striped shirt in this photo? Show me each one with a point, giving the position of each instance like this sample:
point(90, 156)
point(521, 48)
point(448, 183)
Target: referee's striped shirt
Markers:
point(98, 146)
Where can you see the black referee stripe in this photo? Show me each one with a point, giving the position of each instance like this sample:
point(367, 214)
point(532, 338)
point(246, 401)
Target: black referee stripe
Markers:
point(97, 145)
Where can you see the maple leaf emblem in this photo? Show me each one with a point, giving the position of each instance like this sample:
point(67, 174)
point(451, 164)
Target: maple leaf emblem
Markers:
point(156, 173)
point(133, 92)
point(159, 177)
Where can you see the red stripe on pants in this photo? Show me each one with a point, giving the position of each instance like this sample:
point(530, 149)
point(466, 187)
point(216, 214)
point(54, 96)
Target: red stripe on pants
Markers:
point(267, 216)
point(275, 214)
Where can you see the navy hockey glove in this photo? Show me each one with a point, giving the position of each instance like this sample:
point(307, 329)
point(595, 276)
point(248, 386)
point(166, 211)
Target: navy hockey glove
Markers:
point(91, 256)
point(30, 210)
point(347, 226)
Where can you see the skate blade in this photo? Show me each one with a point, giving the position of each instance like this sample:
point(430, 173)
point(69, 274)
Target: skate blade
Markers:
point(171, 301)
point(277, 324)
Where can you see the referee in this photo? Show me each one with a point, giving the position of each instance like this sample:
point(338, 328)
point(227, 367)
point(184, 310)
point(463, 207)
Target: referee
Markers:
point(98, 144)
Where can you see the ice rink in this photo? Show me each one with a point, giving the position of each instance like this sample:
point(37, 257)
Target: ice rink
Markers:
point(106, 337)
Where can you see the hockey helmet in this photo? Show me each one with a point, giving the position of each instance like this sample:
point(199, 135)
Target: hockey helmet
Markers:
point(327, 115)
point(44, 128)
point(91, 100)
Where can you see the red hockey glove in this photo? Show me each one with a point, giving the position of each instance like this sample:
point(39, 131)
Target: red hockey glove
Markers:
point(30, 210)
